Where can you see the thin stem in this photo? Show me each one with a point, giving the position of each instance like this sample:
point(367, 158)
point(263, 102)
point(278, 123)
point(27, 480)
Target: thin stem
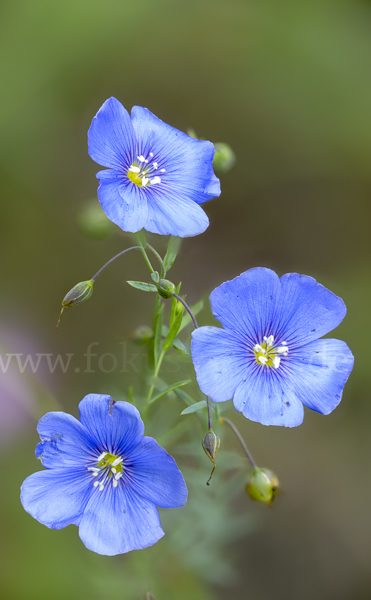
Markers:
point(187, 308)
point(158, 258)
point(148, 262)
point(209, 419)
point(241, 440)
point(114, 258)
point(155, 374)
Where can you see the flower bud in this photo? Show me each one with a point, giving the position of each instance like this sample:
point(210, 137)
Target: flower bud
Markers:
point(142, 335)
point(224, 158)
point(263, 485)
point(165, 288)
point(79, 293)
point(211, 444)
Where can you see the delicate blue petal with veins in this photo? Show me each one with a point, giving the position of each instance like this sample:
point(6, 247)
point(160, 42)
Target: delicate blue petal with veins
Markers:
point(268, 356)
point(319, 371)
point(56, 497)
point(117, 521)
point(115, 427)
point(219, 360)
point(155, 476)
point(158, 175)
point(65, 441)
point(103, 476)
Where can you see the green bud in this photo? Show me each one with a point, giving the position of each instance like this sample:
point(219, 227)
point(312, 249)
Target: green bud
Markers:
point(79, 293)
point(263, 485)
point(224, 158)
point(165, 288)
point(142, 335)
point(94, 223)
point(211, 444)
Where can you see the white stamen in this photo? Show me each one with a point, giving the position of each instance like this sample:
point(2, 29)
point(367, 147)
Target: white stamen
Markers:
point(141, 158)
point(282, 349)
point(263, 360)
point(162, 170)
point(284, 343)
point(93, 469)
point(113, 470)
point(276, 362)
point(134, 169)
point(144, 181)
point(96, 483)
point(95, 473)
point(115, 484)
point(117, 461)
point(117, 476)
point(155, 165)
point(258, 348)
point(270, 340)
point(101, 487)
point(101, 456)
point(156, 180)
point(151, 154)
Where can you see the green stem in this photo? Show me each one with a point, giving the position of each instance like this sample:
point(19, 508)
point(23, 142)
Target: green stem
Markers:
point(114, 258)
point(155, 374)
point(240, 438)
point(163, 272)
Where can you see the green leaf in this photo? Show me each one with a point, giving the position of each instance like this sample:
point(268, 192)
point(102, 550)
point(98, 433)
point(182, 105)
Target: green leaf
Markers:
point(194, 407)
point(157, 330)
point(145, 287)
point(171, 388)
point(180, 346)
point(196, 308)
point(172, 251)
point(173, 332)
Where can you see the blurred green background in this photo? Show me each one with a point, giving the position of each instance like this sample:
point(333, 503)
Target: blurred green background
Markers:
point(287, 84)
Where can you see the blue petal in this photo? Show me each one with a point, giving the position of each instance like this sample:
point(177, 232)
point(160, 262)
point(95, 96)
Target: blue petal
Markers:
point(125, 204)
point(247, 305)
point(116, 428)
point(307, 310)
point(173, 214)
point(111, 137)
point(319, 371)
point(64, 441)
point(188, 162)
point(268, 398)
point(154, 475)
point(57, 497)
point(220, 362)
point(117, 520)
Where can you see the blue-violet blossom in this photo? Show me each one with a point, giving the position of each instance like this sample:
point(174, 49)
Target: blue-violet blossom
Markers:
point(268, 357)
point(157, 176)
point(103, 476)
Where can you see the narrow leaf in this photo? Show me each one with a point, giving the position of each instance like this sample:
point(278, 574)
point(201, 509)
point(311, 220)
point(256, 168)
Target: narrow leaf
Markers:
point(180, 346)
point(194, 407)
point(172, 387)
point(173, 332)
point(172, 251)
point(145, 287)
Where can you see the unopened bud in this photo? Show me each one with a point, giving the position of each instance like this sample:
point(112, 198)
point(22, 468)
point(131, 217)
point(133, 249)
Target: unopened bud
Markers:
point(165, 288)
point(211, 444)
point(224, 158)
point(263, 485)
point(142, 335)
point(79, 293)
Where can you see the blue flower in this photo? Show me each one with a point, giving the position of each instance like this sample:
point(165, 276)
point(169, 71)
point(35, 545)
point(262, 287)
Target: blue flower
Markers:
point(157, 176)
point(268, 357)
point(103, 476)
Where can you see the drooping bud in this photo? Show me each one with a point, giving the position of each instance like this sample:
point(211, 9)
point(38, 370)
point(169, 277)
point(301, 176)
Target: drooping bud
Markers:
point(79, 293)
point(165, 288)
point(224, 158)
point(263, 485)
point(210, 444)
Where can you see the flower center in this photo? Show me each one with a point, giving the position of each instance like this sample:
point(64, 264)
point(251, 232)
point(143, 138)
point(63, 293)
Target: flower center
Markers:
point(269, 355)
point(109, 467)
point(143, 172)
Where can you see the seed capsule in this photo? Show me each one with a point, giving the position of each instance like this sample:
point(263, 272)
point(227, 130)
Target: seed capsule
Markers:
point(263, 485)
point(211, 444)
point(165, 288)
point(79, 293)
